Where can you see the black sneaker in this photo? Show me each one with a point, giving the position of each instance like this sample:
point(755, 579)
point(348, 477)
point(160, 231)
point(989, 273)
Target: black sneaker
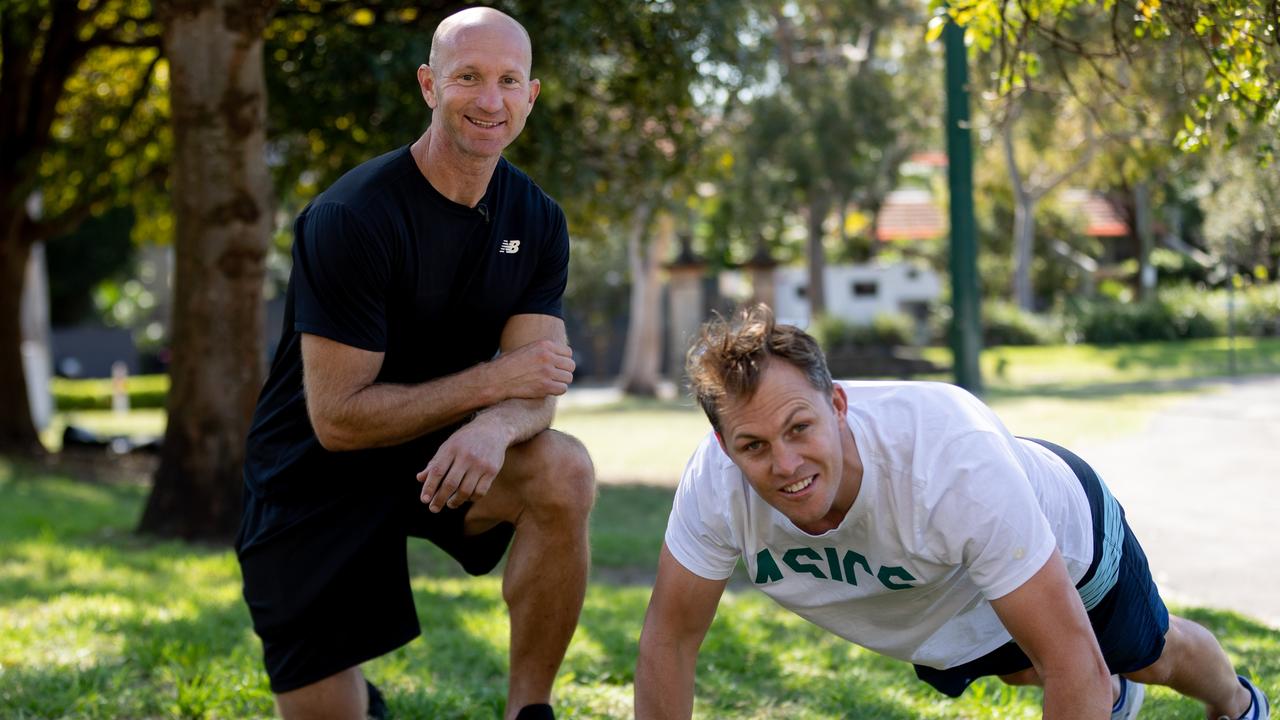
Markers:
point(536, 712)
point(377, 706)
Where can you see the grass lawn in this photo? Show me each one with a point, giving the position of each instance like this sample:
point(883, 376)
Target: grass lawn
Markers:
point(98, 623)
point(1058, 368)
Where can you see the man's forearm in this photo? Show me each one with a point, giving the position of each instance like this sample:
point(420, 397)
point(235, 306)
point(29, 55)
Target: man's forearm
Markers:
point(1076, 696)
point(520, 418)
point(664, 685)
point(385, 414)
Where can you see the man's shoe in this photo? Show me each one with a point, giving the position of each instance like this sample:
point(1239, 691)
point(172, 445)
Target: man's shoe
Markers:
point(1130, 701)
point(1259, 707)
point(377, 705)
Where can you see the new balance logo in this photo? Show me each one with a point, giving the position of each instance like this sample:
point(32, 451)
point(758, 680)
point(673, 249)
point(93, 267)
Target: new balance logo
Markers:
point(510, 247)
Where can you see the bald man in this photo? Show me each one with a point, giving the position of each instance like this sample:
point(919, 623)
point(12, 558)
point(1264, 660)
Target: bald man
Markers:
point(411, 395)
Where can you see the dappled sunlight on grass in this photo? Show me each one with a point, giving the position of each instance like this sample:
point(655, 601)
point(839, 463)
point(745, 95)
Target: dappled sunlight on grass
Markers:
point(1070, 421)
point(1034, 369)
point(649, 441)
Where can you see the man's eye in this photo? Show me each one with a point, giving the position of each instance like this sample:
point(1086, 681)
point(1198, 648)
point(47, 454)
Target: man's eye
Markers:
point(799, 427)
point(752, 446)
point(466, 77)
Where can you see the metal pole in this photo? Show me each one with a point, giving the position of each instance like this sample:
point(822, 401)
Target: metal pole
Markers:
point(966, 333)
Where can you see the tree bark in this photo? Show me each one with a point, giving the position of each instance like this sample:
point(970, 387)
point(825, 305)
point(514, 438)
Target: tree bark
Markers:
point(222, 212)
point(1024, 237)
point(1146, 240)
point(1026, 194)
point(642, 353)
point(17, 431)
point(819, 205)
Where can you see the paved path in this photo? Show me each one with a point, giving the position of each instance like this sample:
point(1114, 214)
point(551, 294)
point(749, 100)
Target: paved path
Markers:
point(1201, 489)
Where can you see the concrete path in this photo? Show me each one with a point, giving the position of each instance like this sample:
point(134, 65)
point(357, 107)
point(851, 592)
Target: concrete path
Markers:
point(1201, 489)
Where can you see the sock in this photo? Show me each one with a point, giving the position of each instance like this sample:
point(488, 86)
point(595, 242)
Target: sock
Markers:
point(377, 704)
point(536, 712)
point(1124, 690)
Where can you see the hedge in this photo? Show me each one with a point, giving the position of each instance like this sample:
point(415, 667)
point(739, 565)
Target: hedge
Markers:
point(145, 391)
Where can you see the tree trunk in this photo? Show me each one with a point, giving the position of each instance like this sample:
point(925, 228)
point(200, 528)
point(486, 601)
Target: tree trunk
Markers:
point(819, 204)
point(1146, 240)
point(222, 210)
point(1026, 193)
point(1024, 237)
point(1024, 216)
point(17, 431)
point(642, 354)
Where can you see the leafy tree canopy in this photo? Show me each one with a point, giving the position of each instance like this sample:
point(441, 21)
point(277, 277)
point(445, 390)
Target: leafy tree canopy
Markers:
point(1227, 60)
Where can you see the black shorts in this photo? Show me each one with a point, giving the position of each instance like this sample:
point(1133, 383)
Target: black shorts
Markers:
point(328, 585)
point(1124, 607)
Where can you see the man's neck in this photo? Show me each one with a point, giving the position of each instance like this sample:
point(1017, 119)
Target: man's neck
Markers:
point(461, 178)
point(851, 480)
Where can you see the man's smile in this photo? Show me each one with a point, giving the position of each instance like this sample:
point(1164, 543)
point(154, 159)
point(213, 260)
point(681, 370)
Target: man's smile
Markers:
point(799, 485)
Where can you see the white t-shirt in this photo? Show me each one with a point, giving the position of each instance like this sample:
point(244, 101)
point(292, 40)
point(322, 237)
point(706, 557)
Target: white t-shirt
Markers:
point(953, 511)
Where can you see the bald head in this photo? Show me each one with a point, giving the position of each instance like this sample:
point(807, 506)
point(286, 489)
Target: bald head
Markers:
point(455, 29)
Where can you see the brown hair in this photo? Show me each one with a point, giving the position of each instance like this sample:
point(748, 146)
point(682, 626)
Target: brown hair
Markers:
point(729, 358)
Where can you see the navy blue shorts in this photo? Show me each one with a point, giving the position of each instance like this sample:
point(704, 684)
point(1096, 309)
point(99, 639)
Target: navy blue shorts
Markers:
point(1124, 607)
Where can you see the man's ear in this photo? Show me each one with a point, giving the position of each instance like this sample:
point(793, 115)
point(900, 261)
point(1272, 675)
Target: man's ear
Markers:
point(427, 83)
point(839, 400)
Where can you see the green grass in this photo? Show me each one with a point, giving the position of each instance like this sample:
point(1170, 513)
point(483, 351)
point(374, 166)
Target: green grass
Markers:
point(96, 622)
point(1038, 370)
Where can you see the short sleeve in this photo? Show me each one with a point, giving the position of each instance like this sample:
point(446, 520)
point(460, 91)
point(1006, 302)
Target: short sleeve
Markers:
point(341, 274)
point(545, 293)
point(984, 514)
point(698, 533)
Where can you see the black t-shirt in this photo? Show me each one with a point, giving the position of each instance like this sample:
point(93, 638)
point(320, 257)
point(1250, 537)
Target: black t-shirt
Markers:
point(384, 262)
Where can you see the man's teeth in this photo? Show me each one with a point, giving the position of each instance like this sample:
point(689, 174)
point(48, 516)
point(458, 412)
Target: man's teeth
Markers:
point(484, 124)
point(799, 485)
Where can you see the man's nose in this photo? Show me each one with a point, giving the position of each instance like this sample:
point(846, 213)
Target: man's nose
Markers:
point(490, 99)
point(785, 460)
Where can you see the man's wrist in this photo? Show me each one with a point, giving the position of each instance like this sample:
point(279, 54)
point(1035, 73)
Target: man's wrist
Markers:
point(485, 387)
point(488, 421)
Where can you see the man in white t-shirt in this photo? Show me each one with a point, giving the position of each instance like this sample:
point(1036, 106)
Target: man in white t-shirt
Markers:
point(905, 518)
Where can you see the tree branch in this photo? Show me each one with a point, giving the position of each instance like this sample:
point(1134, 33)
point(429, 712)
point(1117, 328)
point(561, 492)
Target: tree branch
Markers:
point(61, 53)
point(73, 217)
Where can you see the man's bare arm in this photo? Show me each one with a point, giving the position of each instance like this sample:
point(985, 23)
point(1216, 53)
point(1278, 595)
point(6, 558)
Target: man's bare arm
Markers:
point(524, 417)
point(350, 411)
point(1047, 620)
point(466, 464)
point(680, 613)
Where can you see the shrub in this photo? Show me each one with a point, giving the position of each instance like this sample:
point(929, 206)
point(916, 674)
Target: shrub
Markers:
point(145, 391)
point(1178, 313)
point(1004, 323)
point(1193, 312)
point(886, 330)
point(1257, 311)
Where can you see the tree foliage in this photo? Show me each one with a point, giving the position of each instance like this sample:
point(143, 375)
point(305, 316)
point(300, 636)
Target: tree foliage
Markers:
point(1226, 65)
point(828, 124)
